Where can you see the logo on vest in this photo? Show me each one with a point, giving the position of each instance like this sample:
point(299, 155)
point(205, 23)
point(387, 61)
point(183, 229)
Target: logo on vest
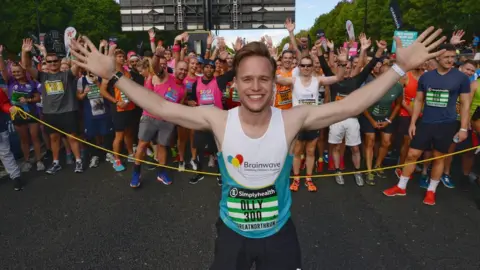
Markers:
point(239, 163)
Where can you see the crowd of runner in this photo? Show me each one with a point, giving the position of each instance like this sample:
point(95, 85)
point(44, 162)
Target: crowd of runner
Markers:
point(433, 110)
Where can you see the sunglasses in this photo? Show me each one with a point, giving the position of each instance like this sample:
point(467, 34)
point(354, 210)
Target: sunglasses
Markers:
point(53, 61)
point(305, 66)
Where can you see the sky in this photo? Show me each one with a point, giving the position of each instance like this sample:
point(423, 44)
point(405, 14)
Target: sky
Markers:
point(306, 11)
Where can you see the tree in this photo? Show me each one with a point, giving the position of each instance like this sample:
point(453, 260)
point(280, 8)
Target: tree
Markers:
point(98, 19)
point(417, 15)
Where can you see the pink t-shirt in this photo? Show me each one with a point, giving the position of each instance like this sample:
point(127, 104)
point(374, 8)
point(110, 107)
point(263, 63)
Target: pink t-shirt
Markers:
point(210, 94)
point(170, 91)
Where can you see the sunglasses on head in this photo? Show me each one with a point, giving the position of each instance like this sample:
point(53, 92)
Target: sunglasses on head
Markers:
point(306, 66)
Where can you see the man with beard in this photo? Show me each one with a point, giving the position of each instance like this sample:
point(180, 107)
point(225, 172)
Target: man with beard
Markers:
point(152, 128)
point(255, 141)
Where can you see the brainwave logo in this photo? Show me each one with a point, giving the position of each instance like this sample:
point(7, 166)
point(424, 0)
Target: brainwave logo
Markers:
point(240, 164)
point(236, 161)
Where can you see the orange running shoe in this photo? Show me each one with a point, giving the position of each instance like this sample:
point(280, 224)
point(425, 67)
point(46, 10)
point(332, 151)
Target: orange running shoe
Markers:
point(295, 185)
point(310, 185)
point(395, 191)
point(429, 198)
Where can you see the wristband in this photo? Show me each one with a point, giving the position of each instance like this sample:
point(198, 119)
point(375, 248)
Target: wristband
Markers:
point(398, 70)
point(114, 79)
point(388, 120)
point(176, 48)
point(152, 40)
point(464, 129)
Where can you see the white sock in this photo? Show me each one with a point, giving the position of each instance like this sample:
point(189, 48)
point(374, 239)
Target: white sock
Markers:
point(78, 160)
point(403, 182)
point(56, 162)
point(433, 185)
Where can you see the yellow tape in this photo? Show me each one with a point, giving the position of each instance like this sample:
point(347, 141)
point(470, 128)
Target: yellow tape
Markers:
point(25, 115)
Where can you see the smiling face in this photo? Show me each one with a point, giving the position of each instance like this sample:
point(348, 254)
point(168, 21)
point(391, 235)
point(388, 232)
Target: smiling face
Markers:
point(53, 63)
point(254, 81)
point(17, 72)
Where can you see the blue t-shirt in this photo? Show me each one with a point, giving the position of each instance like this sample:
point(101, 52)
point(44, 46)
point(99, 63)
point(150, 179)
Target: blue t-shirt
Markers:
point(441, 95)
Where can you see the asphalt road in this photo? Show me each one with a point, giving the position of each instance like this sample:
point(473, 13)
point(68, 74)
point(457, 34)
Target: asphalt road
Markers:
point(95, 220)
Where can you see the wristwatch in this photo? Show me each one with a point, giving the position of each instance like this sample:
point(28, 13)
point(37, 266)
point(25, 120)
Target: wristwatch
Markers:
point(114, 79)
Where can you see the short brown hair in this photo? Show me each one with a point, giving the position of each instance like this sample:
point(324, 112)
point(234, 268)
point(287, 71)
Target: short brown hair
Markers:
point(119, 51)
point(253, 49)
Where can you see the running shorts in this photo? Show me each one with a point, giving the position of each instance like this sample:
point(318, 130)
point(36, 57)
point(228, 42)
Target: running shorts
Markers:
point(280, 251)
point(348, 129)
point(439, 136)
point(66, 122)
point(366, 127)
point(308, 135)
point(159, 131)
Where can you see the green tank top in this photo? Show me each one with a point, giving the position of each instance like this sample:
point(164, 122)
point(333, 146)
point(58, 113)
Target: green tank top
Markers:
point(475, 99)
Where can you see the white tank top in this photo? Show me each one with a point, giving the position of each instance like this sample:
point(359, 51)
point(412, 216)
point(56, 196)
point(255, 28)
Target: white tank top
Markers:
point(305, 94)
point(254, 163)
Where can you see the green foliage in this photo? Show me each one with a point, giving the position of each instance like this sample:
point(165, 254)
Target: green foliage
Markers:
point(417, 15)
point(97, 19)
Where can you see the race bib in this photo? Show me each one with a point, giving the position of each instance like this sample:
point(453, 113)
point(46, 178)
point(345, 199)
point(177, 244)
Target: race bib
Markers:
point(16, 96)
point(340, 97)
point(97, 102)
point(285, 97)
point(94, 92)
point(437, 98)
point(206, 98)
point(235, 96)
point(98, 106)
point(172, 95)
point(54, 88)
point(253, 210)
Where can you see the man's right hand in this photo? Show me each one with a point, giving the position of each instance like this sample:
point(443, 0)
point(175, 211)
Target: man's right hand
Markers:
point(91, 59)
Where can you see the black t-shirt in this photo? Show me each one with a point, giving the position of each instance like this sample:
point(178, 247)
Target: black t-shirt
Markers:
point(343, 88)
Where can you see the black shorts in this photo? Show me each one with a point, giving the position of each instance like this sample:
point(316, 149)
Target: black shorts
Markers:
point(204, 140)
point(280, 251)
point(19, 121)
point(366, 127)
point(123, 120)
point(66, 122)
point(403, 125)
point(438, 136)
point(308, 135)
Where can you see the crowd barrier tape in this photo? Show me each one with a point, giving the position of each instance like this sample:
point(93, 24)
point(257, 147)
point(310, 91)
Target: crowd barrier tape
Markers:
point(25, 115)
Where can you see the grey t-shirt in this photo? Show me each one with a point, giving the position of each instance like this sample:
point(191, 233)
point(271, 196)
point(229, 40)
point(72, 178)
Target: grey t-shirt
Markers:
point(59, 92)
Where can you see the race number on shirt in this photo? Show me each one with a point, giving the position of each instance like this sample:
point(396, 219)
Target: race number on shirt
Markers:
point(253, 210)
point(54, 87)
point(437, 98)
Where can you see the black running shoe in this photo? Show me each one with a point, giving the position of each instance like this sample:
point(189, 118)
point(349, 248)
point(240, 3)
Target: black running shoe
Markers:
point(196, 179)
point(17, 184)
point(54, 168)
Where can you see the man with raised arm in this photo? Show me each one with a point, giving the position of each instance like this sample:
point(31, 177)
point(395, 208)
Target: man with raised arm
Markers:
point(254, 141)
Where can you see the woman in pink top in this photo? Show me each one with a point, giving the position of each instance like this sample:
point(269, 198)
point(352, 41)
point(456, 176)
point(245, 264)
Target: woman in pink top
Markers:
point(183, 133)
